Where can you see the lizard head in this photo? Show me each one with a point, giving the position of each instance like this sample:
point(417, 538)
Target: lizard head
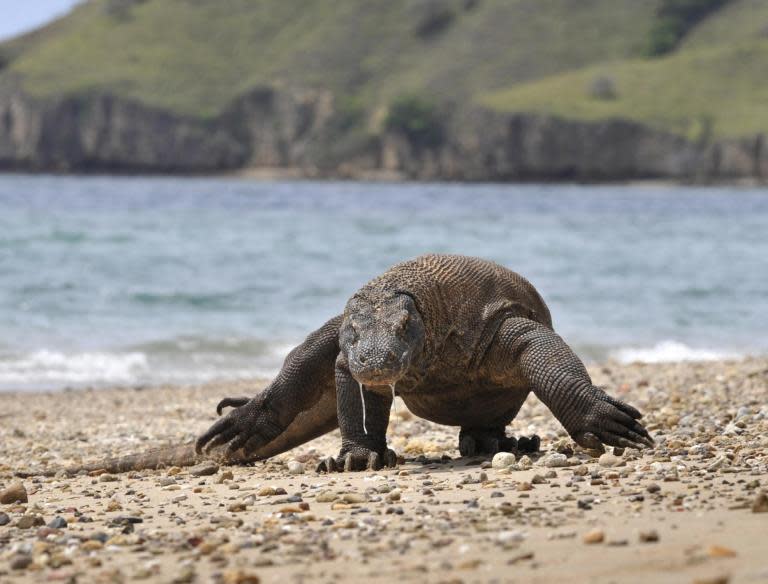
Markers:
point(381, 338)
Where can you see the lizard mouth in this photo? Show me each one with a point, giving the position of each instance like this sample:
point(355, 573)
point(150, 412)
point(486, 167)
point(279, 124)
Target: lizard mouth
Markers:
point(377, 376)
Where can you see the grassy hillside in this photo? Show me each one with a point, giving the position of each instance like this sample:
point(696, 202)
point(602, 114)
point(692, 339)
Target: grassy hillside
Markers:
point(714, 85)
point(719, 91)
point(194, 56)
point(582, 59)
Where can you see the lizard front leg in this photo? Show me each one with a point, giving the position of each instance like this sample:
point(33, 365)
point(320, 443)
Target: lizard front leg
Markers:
point(529, 352)
point(363, 417)
point(297, 406)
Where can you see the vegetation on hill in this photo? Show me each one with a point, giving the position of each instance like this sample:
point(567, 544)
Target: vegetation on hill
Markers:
point(674, 19)
point(196, 56)
point(397, 61)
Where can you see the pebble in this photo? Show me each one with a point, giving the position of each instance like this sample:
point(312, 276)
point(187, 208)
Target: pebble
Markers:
point(503, 460)
point(240, 577)
point(58, 523)
point(4, 519)
point(609, 460)
point(554, 460)
point(29, 521)
point(649, 536)
point(594, 536)
point(760, 504)
point(723, 579)
point(326, 497)
point(204, 469)
point(719, 551)
point(21, 561)
point(15, 493)
point(525, 462)
point(267, 491)
point(295, 467)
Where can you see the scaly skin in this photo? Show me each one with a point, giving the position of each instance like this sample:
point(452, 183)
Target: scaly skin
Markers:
point(461, 340)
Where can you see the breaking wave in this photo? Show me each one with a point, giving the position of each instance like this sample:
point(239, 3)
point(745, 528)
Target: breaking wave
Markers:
point(669, 351)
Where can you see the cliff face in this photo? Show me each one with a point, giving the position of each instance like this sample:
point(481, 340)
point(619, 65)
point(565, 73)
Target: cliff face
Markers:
point(293, 129)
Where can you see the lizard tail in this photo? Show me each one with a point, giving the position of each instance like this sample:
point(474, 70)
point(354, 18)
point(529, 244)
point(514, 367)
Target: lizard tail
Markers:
point(316, 421)
point(182, 455)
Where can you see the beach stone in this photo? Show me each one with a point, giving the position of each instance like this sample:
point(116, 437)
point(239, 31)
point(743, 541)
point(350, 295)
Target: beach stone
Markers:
point(525, 462)
point(594, 536)
point(554, 460)
point(394, 495)
point(224, 476)
point(240, 577)
point(609, 460)
point(4, 519)
point(204, 469)
point(14, 493)
point(326, 497)
point(267, 491)
point(722, 579)
point(649, 536)
point(503, 460)
point(21, 561)
point(29, 521)
point(760, 504)
point(58, 523)
point(719, 551)
point(295, 467)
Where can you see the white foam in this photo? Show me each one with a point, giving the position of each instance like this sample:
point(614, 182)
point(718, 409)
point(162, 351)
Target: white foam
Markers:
point(669, 351)
point(45, 366)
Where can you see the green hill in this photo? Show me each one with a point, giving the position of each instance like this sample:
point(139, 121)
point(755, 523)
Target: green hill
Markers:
point(697, 68)
point(195, 56)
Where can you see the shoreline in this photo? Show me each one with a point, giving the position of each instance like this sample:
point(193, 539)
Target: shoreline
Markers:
point(300, 174)
point(680, 513)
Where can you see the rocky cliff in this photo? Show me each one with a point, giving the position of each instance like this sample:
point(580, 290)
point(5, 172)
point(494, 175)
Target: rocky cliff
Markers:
point(270, 128)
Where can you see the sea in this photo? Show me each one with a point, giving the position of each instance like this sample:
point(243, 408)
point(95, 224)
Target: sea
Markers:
point(138, 281)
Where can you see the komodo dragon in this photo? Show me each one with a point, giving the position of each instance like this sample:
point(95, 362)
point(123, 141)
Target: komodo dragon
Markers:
point(461, 340)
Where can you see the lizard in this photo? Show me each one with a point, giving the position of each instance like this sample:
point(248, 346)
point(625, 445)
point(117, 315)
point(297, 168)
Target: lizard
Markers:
point(461, 340)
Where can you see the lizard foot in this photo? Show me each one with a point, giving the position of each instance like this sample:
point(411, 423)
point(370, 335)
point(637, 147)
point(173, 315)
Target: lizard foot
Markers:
point(485, 441)
point(358, 459)
point(528, 444)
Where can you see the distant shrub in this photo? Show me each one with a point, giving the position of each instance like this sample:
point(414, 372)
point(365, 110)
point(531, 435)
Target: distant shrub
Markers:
point(418, 118)
point(120, 9)
point(349, 114)
point(602, 87)
point(674, 19)
point(435, 17)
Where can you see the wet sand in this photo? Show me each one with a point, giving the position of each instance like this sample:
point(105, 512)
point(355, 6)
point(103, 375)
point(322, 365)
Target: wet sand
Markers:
point(689, 511)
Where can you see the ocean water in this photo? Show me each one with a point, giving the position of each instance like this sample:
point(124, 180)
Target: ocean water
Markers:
point(108, 280)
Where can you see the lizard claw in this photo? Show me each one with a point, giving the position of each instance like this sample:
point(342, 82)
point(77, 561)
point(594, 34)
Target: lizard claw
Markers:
point(327, 465)
point(231, 402)
point(611, 421)
point(357, 461)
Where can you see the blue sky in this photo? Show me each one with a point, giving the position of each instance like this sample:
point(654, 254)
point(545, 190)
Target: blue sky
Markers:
point(17, 16)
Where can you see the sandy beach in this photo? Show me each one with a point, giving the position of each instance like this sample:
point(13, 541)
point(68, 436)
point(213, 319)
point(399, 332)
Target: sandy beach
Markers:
point(692, 510)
